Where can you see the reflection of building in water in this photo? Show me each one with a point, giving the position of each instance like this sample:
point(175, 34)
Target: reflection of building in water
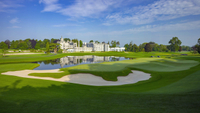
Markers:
point(70, 60)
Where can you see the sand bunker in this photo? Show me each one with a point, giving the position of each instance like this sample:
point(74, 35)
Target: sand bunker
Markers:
point(84, 78)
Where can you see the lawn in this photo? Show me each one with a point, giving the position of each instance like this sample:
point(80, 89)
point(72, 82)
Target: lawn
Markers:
point(173, 87)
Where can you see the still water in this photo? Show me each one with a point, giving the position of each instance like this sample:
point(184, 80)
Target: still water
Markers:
point(69, 61)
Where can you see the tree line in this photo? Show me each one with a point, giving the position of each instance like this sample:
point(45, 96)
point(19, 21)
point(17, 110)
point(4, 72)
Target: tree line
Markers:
point(174, 45)
point(51, 45)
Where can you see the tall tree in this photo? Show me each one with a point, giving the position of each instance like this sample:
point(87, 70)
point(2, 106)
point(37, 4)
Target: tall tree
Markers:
point(91, 41)
point(135, 48)
point(66, 39)
point(97, 42)
point(117, 43)
point(175, 43)
point(37, 46)
point(199, 41)
point(113, 43)
point(33, 43)
point(47, 48)
point(141, 47)
point(126, 47)
point(81, 43)
point(7, 42)
point(14, 44)
point(198, 46)
point(180, 49)
point(22, 45)
point(148, 47)
point(4, 47)
point(53, 47)
point(130, 46)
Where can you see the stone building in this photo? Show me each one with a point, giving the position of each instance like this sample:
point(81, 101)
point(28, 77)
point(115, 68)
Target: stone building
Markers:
point(69, 46)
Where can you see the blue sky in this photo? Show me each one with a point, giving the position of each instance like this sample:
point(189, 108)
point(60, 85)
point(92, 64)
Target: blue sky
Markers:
point(103, 20)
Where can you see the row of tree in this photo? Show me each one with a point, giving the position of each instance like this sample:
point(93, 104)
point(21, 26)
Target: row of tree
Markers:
point(174, 45)
point(34, 44)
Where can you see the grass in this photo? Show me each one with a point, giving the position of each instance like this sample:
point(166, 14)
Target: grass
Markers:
point(111, 70)
point(42, 57)
point(167, 91)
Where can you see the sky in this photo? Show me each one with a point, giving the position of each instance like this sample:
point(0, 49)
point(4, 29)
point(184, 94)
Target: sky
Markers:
point(138, 21)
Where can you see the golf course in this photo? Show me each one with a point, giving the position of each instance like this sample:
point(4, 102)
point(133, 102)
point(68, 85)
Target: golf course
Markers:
point(173, 85)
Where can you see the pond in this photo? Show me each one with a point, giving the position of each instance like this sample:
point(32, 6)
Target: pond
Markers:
point(69, 61)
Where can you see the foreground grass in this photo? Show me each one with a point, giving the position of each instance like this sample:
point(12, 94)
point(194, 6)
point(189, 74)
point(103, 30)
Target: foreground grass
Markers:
point(167, 91)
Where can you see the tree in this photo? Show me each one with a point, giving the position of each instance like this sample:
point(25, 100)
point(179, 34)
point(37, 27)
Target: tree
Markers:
point(141, 47)
point(4, 47)
point(162, 48)
point(126, 47)
point(81, 43)
point(135, 48)
point(148, 47)
point(47, 48)
point(7, 42)
point(37, 46)
point(130, 46)
point(75, 41)
point(91, 41)
point(199, 41)
point(66, 39)
point(22, 45)
point(33, 43)
point(180, 49)
point(97, 42)
point(53, 47)
point(113, 43)
point(198, 46)
point(175, 43)
point(117, 43)
point(14, 44)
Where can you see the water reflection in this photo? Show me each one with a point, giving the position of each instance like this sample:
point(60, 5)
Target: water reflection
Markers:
point(69, 61)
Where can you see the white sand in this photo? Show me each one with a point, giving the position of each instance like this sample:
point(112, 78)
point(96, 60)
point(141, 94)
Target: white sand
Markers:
point(84, 78)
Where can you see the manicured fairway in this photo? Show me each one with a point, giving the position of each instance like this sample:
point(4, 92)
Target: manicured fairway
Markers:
point(174, 87)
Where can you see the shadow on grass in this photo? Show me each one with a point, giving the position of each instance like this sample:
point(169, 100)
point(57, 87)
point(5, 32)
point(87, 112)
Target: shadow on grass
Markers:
point(80, 98)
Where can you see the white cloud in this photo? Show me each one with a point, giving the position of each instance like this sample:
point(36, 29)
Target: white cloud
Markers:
point(14, 20)
point(50, 5)
point(147, 28)
point(167, 27)
point(9, 5)
point(85, 8)
point(65, 25)
point(81, 8)
point(14, 27)
point(159, 10)
point(107, 24)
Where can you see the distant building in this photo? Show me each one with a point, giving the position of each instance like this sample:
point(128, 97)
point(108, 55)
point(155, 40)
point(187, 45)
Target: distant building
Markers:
point(69, 46)
point(117, 49)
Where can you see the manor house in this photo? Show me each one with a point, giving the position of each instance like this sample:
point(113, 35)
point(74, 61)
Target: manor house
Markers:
point(69, 46)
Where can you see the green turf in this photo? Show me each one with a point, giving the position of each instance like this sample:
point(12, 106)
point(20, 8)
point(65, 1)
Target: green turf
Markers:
point(174, 91)
point(111, 70)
